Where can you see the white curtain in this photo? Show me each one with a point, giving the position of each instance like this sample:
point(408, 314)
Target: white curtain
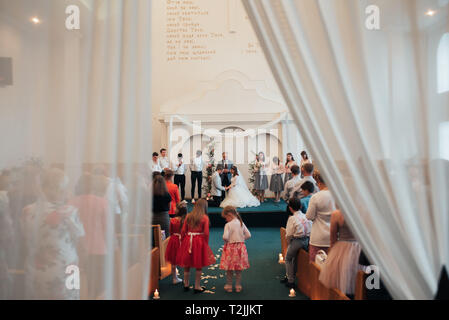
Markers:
point(75, 134)
point(368, 107)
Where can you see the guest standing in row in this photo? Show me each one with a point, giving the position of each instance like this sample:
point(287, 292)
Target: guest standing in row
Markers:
point(179, 168)
point(172, 190)
point(94, 215)
point(289, 163)
point(304, 160)
point(276, 183)
point(321, 206)
point(155, 167)
point(341, 266)
point(164, 162)
point(297, 236)
point(261, 180)
point(60, 230)
point(161, 204)
point(196, 170)
point(292, 183)
point(307, 175)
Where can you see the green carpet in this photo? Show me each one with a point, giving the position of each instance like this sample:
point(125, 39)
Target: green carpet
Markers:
point(268, 215)
point(260, 281)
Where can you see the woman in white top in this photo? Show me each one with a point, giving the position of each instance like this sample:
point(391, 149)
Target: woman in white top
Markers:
point(320, 209)
point(235, 255)
point(238, 194)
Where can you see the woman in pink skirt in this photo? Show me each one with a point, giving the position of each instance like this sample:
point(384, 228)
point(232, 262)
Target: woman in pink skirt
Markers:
point(342, 263)
point(235, 256)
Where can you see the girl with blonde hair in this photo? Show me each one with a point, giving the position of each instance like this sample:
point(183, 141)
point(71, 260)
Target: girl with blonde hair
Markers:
point(195, 251)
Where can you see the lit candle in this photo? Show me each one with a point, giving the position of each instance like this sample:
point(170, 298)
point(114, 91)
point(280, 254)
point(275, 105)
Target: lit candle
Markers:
point(281, 258)
point(292, 293)
point(156, 295)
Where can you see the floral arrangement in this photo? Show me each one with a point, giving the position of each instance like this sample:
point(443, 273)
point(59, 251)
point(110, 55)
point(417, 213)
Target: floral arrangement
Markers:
point(251, 169)
point(210, 168)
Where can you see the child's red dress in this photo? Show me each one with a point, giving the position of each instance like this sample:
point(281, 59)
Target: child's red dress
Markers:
point(172, 250)
point(195, 251)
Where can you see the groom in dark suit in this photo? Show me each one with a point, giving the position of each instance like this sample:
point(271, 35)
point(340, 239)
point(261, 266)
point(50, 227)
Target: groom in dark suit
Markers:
point(225, 175)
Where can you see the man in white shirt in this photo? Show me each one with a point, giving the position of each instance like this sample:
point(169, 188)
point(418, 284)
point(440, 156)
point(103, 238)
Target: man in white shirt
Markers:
point(291, 184)
point(307, 172)
point(164, 162)
point(155, 167)
point(179, 169)
point(297, 234)
point(217, 188)
point(196, 173)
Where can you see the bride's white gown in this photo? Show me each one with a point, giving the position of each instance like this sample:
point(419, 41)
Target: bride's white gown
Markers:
point(239, 195)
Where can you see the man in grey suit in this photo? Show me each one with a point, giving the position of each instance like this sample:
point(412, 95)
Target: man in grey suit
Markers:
point(226, 175)
point(217, 189)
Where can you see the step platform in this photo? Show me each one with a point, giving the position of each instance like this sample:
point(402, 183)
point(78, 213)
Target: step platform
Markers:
point(268, 214)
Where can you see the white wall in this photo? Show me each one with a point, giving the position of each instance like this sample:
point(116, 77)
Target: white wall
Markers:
point(235, 52)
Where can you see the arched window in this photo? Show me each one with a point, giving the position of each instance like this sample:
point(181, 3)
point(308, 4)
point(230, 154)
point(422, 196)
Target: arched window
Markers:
point(443, 64)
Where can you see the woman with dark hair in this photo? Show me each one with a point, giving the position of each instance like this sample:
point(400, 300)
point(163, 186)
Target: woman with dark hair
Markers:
point(161, 204)
point(276, 183)
point(289, 163)
point(304, 159)
point(260, 177)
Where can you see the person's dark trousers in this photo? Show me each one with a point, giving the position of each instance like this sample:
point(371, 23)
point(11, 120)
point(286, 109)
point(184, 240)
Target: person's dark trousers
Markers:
point(196, 176)
point(180, 181)
point(214, 202)
point(224, 182)
point(291, 263)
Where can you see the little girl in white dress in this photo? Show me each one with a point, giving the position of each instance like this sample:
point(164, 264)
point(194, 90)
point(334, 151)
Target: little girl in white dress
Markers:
point(239, 195)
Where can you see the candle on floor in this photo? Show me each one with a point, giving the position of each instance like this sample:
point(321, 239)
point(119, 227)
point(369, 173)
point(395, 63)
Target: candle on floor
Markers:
point(292, 293)
point(156, 295)
point(281, 258)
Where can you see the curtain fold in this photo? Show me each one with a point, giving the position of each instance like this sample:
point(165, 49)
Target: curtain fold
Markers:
point(369, 110)
point(82, 151)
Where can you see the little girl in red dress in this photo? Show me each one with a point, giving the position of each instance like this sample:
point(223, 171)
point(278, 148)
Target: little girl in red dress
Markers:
point(235, 256)
point(195, 251)
point(172, 250)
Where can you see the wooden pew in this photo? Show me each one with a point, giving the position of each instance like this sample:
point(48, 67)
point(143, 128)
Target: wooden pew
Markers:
point(303, 272)
point(284, 243)
point(360, 288)
point(165, 266)
point(335, 294)
point(318, 290)
point(154, 271)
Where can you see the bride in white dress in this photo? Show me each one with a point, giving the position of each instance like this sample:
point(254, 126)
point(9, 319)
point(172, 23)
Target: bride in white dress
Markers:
point(239, 195)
